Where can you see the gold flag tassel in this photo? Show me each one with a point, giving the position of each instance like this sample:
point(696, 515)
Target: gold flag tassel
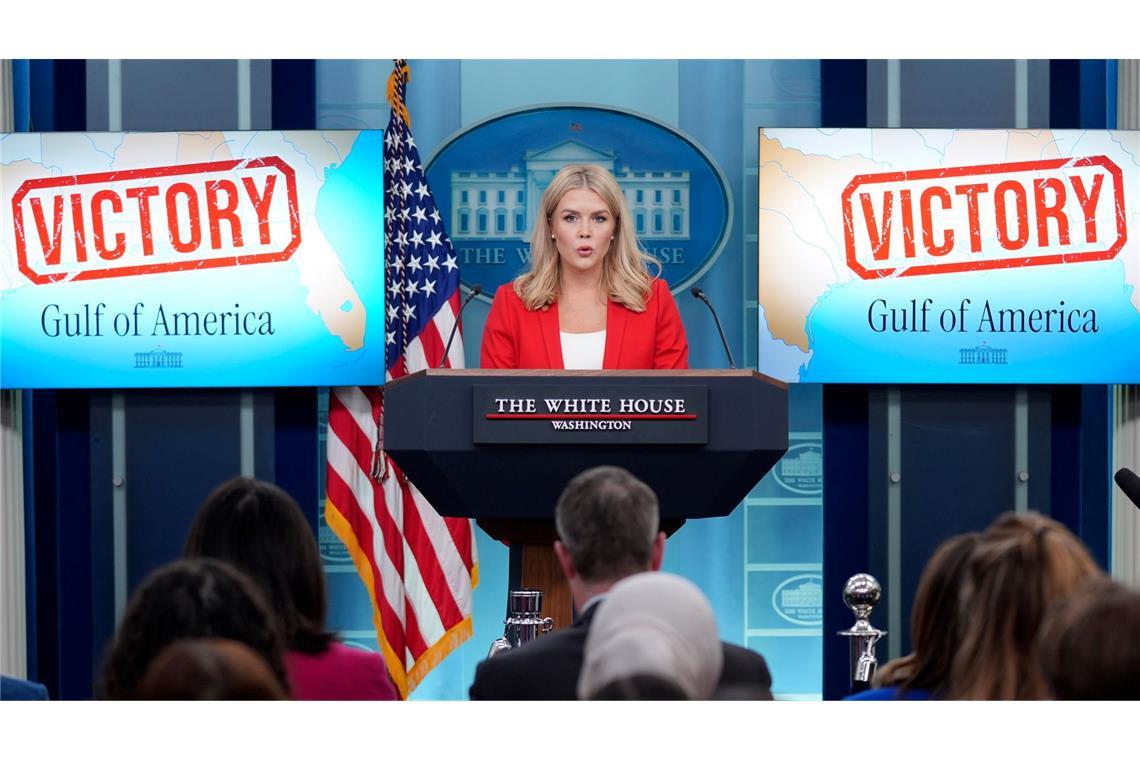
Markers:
point(397, 85)
point(397, 82)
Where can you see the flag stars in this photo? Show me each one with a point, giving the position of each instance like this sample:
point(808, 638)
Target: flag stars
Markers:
point(421, 264)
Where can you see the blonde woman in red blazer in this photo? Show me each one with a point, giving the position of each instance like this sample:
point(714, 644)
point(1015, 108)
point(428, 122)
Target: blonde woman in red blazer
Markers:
point(587, 275)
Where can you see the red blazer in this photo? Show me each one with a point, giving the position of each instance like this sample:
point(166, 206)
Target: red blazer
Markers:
point(516, 338)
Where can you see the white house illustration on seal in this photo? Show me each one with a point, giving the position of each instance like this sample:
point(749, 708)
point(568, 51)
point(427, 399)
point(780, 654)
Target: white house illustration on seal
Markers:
point(499, 205)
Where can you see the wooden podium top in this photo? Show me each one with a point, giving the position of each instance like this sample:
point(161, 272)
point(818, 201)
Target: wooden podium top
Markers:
point(570, 373)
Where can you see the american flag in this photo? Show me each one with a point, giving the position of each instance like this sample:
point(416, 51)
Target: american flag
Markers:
point(419, 568)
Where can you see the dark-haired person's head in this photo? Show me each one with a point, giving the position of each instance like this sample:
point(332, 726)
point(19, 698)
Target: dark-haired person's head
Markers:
point(188, 599)
point(1023, 564)
point(935, 629)
point(209, 669)
point(607, 524)
point(259, 528)
point(1089, 646)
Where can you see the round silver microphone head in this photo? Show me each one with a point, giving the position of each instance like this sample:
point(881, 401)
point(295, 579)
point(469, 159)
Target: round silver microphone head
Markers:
point(861, 593)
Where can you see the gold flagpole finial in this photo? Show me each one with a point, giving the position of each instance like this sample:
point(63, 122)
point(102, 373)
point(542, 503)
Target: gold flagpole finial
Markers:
point(397, 82)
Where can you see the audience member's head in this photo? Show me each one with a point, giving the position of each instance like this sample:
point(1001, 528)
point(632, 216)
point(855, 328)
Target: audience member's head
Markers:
point(184, 600)
point(259, 529)
point(655, 637)
point(1090, 644)
point(935, 631)
point(214, 669)
point(607, 527)
point(1023, 564)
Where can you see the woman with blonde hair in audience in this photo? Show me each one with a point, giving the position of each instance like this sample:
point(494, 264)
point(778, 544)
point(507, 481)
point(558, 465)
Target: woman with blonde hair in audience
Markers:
point(934, 628)
point(1024, 564)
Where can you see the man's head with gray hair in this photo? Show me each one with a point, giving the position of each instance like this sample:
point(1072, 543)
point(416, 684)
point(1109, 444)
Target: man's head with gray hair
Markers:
point(607, 523)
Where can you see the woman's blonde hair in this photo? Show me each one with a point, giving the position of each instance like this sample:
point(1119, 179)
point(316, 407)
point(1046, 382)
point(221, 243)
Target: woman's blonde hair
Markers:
point(625, 270)
point(1024, 564)
point(935, 621)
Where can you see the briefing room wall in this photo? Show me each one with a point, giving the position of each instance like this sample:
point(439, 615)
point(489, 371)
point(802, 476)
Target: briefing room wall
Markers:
point(719, 104)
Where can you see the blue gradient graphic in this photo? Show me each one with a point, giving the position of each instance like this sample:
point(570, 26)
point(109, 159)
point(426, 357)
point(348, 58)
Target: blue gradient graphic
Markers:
point(846, 349)
point(301, 351)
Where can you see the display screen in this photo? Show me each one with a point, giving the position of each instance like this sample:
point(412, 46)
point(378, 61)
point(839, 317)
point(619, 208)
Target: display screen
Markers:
point(949, 256)
point(191, 259)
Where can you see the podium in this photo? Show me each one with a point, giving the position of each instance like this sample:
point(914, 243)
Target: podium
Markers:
point(500, 445)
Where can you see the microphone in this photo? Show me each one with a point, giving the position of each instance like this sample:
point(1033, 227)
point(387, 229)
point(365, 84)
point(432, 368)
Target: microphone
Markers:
point(476, 289)
point(1129, 482)
point(700, 295)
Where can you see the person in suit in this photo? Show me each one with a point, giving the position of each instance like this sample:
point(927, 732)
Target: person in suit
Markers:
point(588, 300)
point(607, 526)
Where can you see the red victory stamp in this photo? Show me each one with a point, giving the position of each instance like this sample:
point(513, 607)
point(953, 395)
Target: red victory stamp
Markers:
point(161, 219)
point(994, 216)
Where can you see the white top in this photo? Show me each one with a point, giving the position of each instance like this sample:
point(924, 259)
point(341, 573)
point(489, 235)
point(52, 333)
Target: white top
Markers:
point(583, 350)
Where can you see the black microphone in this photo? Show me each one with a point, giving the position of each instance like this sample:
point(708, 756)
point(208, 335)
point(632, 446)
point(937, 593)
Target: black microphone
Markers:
point(700, 294)
point(1129, 482)
point(476, 289)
